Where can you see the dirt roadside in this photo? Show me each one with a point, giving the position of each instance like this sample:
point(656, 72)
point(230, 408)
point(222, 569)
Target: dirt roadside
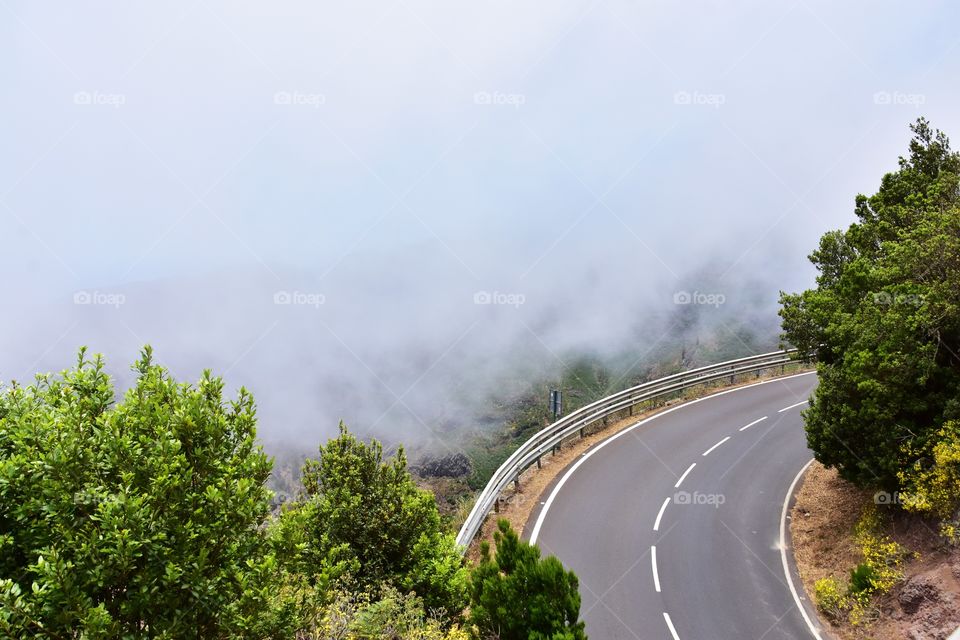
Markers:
point(925, 605)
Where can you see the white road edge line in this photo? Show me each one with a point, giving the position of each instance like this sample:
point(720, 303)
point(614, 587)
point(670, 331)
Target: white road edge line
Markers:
point(673, 630)
point(656, 525)
point(653, 564)
point(792, 406)
point(783, 553)
point(707, 452)
point(556, 489)
point(752, 423)
point(684, 476)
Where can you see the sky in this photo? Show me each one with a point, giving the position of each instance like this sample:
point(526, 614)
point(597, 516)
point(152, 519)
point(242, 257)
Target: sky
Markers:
point(377, 211)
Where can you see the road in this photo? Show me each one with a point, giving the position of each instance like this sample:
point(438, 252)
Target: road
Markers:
point(673, 525)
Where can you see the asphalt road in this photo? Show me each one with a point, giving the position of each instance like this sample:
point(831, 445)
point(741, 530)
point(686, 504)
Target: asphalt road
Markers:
point(666, 551)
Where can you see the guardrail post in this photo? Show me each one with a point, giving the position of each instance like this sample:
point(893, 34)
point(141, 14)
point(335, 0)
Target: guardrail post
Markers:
point(538, 463)
point(496, 505)
point(516, 482)
point(581, 432)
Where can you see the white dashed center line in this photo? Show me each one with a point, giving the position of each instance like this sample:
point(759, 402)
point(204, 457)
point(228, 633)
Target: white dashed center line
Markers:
point(707, 452)
point(653, 563)
point(753, 423)
point(684, 476)
point(673, 630)
point(656, 525)
point(792, 406)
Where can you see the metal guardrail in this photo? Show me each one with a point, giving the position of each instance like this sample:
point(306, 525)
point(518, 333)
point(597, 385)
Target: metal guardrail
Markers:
point(552, 436)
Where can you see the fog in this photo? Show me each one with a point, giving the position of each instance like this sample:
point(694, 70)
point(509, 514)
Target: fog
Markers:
point(386, 212)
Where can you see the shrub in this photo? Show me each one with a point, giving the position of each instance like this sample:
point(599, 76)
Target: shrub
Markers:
point(882, 556)
point(516, 595)
point(394, 616)
point(932, 483)
point(878, 573)
point(364, 520)
point(136, 518)
point(862, 578)
point(831, 597)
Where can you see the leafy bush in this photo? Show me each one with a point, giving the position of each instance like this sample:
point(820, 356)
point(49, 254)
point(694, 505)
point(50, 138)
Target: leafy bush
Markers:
point(831, 597)
point(140, 518)
point(932, 483)
point(149, 518)
point(882, 557)
point(878, 573)
point(862, 578)
point(516, 595)
point(364, 521)
point(394, 616)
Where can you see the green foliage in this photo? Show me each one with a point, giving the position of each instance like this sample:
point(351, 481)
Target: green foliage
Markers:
point(831, 598)
point(395, 616)
point(884, 319)
point(877, 574)
point(135, 519)
point(149, 518)
point(365, 522)
point(882, 555)
point(932, 483)
point(516, 595)
point(862, 578)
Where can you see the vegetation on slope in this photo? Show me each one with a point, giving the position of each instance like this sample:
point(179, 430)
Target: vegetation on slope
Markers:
point(884, 321)
point(150, 517)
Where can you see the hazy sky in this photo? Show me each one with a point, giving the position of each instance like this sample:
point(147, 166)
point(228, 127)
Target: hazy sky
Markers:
point(312, 198)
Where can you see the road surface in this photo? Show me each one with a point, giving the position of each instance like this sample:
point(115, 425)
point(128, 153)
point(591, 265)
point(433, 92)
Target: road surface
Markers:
point(674, 525)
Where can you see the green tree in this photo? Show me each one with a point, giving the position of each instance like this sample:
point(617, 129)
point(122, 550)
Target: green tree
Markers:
point(136, 519)
point(884, 319)
point(516, 595)
point(364, 520)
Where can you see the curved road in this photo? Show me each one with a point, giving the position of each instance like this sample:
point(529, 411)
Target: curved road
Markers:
point(673, 525)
